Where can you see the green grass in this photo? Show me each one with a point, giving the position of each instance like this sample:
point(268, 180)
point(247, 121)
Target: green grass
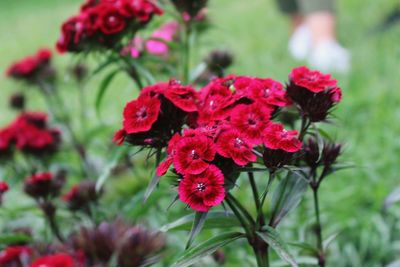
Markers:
point(368, 118)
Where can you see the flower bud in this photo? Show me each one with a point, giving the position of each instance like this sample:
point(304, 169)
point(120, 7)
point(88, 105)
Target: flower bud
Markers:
point(17, 101)
point(81, 195)
point(43, 185)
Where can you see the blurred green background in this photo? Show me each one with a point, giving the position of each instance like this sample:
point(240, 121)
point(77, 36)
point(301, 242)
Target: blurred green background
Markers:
point(367, 121)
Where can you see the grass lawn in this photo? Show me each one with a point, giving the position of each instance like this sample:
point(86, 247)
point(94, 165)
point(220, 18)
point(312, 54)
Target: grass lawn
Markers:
point(367, 119)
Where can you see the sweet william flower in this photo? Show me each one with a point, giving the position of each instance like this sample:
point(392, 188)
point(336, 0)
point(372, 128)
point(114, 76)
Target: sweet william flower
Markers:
point(313, 92)
point(109, 19)
point(183, 97)
point(193, 154)
point(140, 114)
point(232, 144)
point(276, 137)
point(313, 81)
point(251, 120)
point(204, 190)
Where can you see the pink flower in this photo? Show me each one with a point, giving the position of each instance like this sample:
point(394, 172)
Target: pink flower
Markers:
point(166, 34)
point(56, 260)
point(313, 81)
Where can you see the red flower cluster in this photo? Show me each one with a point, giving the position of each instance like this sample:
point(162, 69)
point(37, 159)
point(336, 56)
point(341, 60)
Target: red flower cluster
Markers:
point(15, 256)
point(31, 67)
point(159, 112)
point(313, 92)
point(43, 185)
point(227, 120)
point(102, 23)
point(29, 133)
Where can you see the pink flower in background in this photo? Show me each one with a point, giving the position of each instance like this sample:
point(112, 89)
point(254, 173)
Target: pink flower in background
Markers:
point(165, 33)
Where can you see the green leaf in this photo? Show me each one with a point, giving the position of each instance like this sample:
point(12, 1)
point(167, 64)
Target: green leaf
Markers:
point(105, 64)
point(287, 196)
point(116, 155)
point(199, 219)
point(329, 240)
point(103, 87)
point(215, 219)
point(208, 247)
point(270, 236)
point(150, 188)
point(14, 238)
point(304, 246)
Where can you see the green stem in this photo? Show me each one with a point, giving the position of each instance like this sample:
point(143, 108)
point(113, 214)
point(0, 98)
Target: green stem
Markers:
point(318, 230)
point(260, 216)
point(240, 217)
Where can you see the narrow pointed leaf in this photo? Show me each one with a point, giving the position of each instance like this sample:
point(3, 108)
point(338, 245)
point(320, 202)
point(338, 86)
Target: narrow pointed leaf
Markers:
point(206, 248)
point(215, 219)
point(116, 155)
point(270, 236)
point(198, 223)
point(329, 240)
point(103, 88)
point(304, 246)
point(287, 196)
point(150, 188)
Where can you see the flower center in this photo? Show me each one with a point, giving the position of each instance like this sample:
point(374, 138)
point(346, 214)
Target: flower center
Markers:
point(201, 187)
point(252, 121)
point(141, 113)
point(238, 142)
point(112, 20)
point(266, 92)
point(194, 154)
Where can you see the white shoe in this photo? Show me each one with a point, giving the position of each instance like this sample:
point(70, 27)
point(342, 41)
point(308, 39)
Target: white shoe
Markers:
point(300, 42)
point(330, 56)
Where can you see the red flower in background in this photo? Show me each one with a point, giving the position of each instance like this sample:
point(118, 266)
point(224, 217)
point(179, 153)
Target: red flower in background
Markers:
point(276, 137)
point(29, 133)
point(251, 120)
point(31, 66)
point(99, 24)
point(193, 154)
point(313, 81)
point(15, 255)
point(109, 19)
point(42, 185)
point(140, 114)
point(56, 260)
point(3, 187)
point(232, 144)
point(204, 190)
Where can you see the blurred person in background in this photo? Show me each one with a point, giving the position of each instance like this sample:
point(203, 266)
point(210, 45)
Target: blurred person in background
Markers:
point(314, 34)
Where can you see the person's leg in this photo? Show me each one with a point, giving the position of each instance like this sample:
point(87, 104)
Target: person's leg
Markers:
point(326, 53)
point(300, 41)
point(319, 16)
